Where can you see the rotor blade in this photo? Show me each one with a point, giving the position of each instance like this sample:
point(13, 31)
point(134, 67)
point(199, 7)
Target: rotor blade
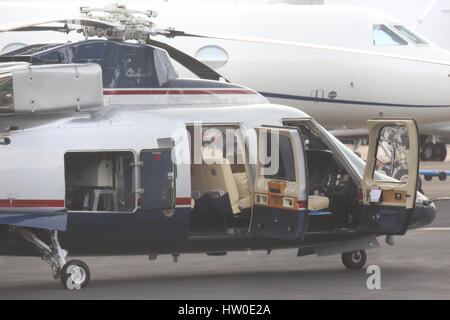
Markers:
point(76, 21)
point(198, 68)
point(171, 33)
point(44, 28)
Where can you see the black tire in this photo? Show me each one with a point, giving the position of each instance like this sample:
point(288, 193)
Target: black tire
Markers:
point(440, 151)
point(427, 152)
point(354, 259)
point(428, 177)
point(74, 278)
point(442, 176)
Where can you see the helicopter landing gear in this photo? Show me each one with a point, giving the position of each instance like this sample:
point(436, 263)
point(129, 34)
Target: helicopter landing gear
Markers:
point(354, 259)
point(73, 274)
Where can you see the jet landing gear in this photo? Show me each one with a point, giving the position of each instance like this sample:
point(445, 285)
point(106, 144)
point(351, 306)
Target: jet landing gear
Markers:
point(74, 274)
point(432, 149)
point(354, 259)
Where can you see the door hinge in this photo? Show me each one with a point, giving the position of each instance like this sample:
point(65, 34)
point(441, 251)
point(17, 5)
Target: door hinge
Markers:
point(137, 164)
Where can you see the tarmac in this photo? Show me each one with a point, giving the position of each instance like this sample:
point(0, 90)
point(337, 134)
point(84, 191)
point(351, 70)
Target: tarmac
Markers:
point(417, 267)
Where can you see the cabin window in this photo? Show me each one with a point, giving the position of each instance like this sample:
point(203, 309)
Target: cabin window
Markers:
point(411, 35)
point(286, 164)
point(214, 57)
point(383, 36)
point(100, 181)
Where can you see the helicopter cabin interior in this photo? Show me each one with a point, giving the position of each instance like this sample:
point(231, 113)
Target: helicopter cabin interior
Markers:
point(99, 181)
point(222, 186)
point(220, 180)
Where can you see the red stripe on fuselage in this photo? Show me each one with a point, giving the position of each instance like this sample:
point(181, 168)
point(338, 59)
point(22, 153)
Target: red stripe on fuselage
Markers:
point(178, 92)
point(21, 203)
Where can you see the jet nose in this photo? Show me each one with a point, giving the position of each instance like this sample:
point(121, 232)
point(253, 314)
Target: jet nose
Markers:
point(422, 215)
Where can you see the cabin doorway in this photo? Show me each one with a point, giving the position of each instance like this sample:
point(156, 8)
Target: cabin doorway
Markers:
point(220, 180)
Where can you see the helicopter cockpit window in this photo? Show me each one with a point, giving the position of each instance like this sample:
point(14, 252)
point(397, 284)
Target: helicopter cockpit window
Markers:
point(383, 36)
point(164, 68)
point(99, 181)
point(411, 35)
point(6, 94)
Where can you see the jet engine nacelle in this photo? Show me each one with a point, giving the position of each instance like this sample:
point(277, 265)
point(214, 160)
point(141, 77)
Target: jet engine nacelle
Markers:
point(42, 89)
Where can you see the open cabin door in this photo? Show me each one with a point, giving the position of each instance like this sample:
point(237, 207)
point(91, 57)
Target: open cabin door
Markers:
point(393, 152)
point(280, 187)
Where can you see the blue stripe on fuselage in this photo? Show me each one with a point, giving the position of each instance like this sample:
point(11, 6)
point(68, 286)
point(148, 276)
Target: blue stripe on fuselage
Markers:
point(303, 98)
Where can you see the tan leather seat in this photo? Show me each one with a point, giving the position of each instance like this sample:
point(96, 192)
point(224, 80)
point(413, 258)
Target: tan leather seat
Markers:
point(316, 203)
point(219, 177)
point(240, 178)
point(215, 174)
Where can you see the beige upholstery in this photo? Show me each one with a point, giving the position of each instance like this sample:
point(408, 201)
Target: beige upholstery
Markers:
point(215, 174)
point(198, 180)
point(220, 177)
point(240, 178)
point(316, 202)
point(215, 177)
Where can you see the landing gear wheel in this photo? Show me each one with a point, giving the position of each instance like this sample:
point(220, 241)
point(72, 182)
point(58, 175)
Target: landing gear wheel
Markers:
point(354, 259)
point(75, 274)
point(427, 152)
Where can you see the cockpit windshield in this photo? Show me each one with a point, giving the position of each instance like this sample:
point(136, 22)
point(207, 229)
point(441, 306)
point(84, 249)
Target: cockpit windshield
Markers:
point(411, 35)
point(383, 36)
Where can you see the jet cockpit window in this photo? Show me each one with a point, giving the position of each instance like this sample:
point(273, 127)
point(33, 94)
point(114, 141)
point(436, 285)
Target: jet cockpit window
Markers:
point(411, 35)
point(383, 36)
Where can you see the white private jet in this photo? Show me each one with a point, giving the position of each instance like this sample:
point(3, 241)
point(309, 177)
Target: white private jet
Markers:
point(343, 65)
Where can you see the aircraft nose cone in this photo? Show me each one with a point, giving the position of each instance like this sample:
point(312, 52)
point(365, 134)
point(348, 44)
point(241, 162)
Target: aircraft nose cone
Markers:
point(422, 216)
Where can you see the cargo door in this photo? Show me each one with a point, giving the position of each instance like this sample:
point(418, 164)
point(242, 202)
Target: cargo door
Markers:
point(157, 179)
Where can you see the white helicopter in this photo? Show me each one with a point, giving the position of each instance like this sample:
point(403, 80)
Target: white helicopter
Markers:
point(104, 150)
point(329, 61)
